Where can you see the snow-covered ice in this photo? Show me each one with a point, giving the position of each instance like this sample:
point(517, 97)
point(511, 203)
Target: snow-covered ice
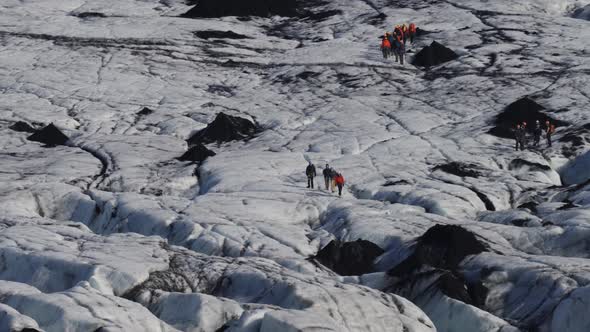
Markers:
point(111, 232)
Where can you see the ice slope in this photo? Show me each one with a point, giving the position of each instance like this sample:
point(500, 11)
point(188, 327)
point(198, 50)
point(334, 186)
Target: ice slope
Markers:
point(112, 232)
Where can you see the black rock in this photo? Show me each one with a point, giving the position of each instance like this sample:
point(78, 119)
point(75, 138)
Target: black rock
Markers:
point(197, 153)
point(459, 169)
point(485, 199)
point(22, 127)
point(225, 128)
point(442, 246)
point(395, 183)
point(219, 34)
point(454, 287)
point(49, 135)
point(529, 205)
point(263, 8)
point(520, 163)
point(145, 111)
point(349, 258)
point(90, 15)
point(433, 55)
point(522, 110)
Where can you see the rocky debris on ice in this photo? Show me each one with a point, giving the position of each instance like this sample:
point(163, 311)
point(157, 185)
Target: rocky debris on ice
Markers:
point(433, 55)
point(522, 110)
point(225, 128)
point(349, 258)
point(197, 153)
point(221, 8)
point(50, 135)
point(22, 126)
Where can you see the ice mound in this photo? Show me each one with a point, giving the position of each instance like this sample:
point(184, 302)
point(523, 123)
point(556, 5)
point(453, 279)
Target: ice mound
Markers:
point(433, 55)
point(522, 110)
point(219, 34)
point(49, 135)
point(349, 258)
point(197, 153)
point(22, 127)
point(224, 128)
point(221, 8)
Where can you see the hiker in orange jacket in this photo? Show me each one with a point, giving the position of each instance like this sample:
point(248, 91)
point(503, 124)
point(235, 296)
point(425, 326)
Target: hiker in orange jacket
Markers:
point(386, 46)
point(339, 179)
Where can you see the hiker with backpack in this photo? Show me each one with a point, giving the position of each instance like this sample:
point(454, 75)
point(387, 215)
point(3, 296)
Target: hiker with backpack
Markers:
point(327, 176)
point(386, 46)
point(412, 32)
point(339, 180)
point(519, 137)
point(310, 172)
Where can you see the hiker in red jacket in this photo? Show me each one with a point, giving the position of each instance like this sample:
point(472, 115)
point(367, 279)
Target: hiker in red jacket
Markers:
point(386, 46)
point(412, 32)
point(339, 179)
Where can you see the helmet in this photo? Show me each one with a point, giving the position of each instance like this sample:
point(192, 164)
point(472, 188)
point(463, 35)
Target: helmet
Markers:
point(524, 123)
point(547, 121)
point(537, 121)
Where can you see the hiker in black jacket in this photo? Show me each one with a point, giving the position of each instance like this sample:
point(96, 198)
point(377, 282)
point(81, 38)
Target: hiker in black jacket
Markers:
point(310, 172)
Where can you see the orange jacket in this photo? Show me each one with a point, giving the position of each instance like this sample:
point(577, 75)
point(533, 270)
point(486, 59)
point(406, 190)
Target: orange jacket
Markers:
point(339, 179)
point(385, 43)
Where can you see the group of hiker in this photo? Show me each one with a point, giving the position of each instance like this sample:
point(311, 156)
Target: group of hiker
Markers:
point(394, 43)
point(332, 178)
point(520, 134)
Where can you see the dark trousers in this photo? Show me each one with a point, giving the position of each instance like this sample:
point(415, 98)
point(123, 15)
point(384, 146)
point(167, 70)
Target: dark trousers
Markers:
point(385, 52)
point(537, 140)
point(548, 139)
point(310, 182)
point(339, 189)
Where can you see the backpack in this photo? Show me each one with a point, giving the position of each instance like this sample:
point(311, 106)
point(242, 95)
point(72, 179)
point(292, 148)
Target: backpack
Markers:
point(551, 129)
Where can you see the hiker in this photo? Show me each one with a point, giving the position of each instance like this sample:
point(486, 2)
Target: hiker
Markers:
point(397, 31)
point(327, 176)
point(339, 179)
point(412, 32)
point(537, 132)
point(310, 172)
point(405, 31)
point(549, 130)
point(398, 49)
point(385, 46)
point(518, 133)
point(391, 39)
point(333, 174)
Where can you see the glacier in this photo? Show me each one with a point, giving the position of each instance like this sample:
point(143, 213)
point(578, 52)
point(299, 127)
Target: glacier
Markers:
point(107, 228)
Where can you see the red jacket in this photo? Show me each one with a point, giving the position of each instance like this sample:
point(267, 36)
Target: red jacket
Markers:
point(412, 28)
point(339, 179)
